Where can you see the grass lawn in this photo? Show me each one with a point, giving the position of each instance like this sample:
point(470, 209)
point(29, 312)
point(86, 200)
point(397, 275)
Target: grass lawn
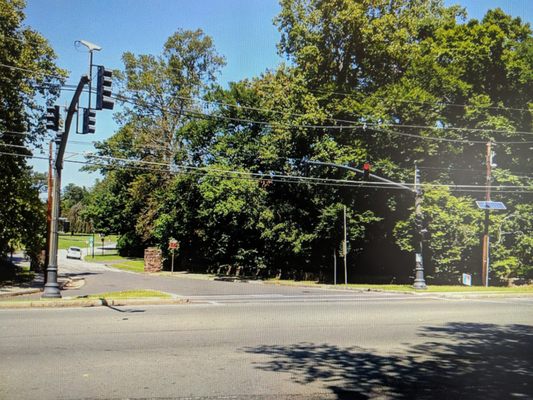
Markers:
point(81, 240)
point(129, 294)
point(408, 288)
point(100, 258)
point(130, 264)
point(133, 264)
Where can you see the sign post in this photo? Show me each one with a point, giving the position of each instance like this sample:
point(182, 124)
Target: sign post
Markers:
point(102, 236)
point(487, 205)
point(172, 246)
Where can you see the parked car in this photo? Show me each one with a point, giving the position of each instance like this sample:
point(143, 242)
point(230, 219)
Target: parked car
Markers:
point(74, 252)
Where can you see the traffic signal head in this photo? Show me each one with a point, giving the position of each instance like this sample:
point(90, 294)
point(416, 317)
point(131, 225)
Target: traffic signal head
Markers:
point(103, 89)
point(89, 121)
point(366, 171)
point(52, 118)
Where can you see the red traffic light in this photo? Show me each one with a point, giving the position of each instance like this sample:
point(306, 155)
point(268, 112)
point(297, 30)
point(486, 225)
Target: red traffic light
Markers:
point(366, 171)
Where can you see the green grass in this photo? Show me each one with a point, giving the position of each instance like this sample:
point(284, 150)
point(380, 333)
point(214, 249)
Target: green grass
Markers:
point(129, 294)
point(409, 288)
point(80, 240)
point(133, 264)
point(100, 258)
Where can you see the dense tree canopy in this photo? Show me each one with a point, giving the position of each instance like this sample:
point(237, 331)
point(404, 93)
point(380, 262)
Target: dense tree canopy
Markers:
point(224, 171)
point(28, 73)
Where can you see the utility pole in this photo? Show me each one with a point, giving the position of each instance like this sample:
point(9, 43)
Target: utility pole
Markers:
point(345, 250)
point(51, 288)
point(486, 238)
point(420, 282)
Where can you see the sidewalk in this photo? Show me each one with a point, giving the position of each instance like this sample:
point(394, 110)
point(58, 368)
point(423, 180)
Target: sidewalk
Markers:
point(28, 288)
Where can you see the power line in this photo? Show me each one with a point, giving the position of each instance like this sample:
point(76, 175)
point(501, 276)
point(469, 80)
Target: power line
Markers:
point(354, 126)
point(266, 175)
point(437, 103)
point(30, 70)
point(280, 178)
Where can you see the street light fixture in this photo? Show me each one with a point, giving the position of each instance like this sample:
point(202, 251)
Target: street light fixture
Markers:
point(92, 47)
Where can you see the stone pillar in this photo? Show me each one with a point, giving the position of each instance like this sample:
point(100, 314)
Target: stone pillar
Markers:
point(152, 260)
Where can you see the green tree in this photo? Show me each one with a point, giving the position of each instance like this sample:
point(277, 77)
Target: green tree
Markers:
point(157, 93)
point(29, 77)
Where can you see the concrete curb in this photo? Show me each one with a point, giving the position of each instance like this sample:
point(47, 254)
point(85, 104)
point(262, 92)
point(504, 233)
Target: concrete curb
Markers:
point(452, 295)
point(91, 303)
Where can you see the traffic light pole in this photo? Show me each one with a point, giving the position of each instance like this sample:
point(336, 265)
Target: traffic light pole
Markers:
point(419, 282)
point(51, 288)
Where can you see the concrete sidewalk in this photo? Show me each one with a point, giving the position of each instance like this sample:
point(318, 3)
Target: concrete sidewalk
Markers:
point(32, 287)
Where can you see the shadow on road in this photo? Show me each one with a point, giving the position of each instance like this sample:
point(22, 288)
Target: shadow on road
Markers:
point(458, 360)
point(106, 304)
point(78, 274)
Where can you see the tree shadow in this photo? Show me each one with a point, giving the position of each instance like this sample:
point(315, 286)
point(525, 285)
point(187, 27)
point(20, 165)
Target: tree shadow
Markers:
point(458, 360)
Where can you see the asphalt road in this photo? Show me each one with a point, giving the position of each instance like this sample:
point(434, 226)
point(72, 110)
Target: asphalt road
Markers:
point(99, 278)
point(272, 347)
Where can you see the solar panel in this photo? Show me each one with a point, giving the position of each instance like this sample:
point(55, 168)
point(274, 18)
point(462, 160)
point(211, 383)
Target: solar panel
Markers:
point(491, 205)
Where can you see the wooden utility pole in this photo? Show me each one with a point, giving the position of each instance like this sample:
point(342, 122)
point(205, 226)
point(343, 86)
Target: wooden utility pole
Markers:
point(486, 239)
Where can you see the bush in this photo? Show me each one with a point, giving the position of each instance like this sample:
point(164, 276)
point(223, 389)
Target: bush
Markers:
point(130, 245)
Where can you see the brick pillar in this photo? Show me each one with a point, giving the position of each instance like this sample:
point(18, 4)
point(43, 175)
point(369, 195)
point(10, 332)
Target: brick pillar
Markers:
point(152, 260)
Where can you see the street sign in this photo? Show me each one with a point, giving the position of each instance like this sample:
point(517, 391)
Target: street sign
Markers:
point(491, 205)
point(173, 244)
point(467, 279)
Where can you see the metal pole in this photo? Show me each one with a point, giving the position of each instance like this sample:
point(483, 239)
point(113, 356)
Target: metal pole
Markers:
point(334, 266)
point(345, 251)
point(49, 207)
point(90, 76)
point(485, 257)
point(172, 267)
point(51, 288)
point(420, 282)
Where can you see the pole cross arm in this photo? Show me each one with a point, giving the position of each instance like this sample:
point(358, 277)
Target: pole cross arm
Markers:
point(376, 177)
point(84, 80)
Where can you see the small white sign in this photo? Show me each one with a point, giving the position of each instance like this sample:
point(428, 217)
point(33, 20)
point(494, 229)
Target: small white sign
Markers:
point(467, 279)
point(418, 257)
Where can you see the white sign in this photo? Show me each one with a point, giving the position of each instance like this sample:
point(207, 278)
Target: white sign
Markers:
point(491, 205)
point(467, 279)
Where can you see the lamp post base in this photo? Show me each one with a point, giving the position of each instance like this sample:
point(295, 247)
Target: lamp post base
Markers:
point(51, 289)
point(420, 282)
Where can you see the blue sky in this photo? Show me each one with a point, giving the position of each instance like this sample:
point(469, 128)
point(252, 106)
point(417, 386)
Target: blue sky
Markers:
point(242, 31)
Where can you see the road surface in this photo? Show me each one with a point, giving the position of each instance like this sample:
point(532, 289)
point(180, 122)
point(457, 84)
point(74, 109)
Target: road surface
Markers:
point(309, 346)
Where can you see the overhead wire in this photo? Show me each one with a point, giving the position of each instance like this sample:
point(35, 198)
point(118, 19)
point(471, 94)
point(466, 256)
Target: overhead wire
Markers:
point(280, 178)
point(437, 103)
